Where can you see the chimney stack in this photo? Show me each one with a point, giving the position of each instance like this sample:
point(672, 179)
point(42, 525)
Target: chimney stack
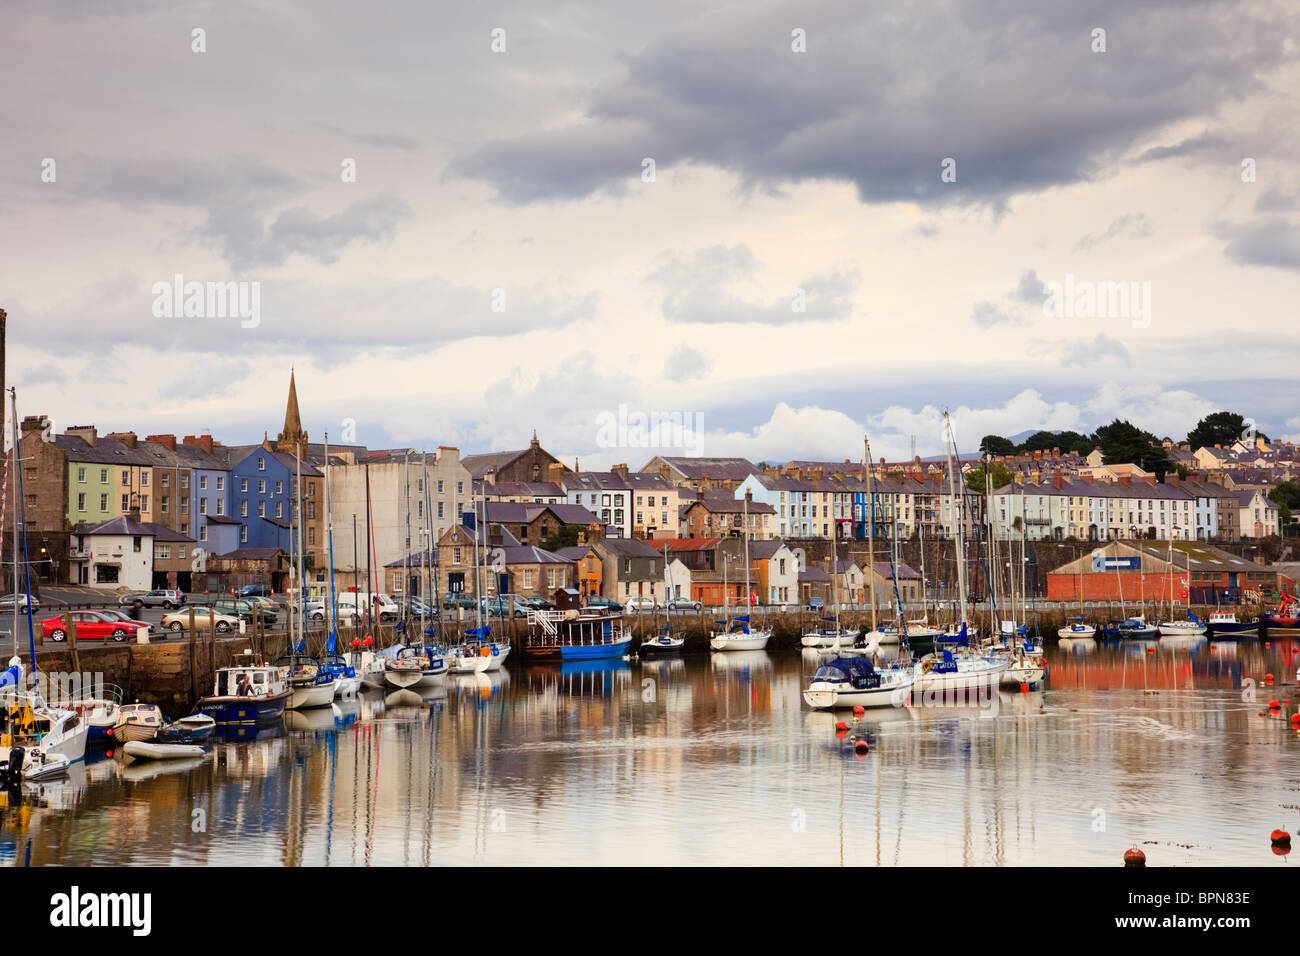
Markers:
point(86, 433)
point(34, 423)
point(199, 441)
point(620, 470)
point(126, 438)
point(169, 441)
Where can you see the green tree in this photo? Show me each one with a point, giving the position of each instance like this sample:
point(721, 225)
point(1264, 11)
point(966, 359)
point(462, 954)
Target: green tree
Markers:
point(998, 473)
point(565, 536)
point(1220, 428)
point(997, 445)
point(1122, 442)
point(1287, 496)
point(1064, 440)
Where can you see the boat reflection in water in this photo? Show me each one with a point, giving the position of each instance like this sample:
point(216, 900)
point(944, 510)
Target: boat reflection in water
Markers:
point(667, 762)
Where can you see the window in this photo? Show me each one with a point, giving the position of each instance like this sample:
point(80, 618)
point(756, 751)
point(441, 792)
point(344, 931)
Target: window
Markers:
point(221, 506)
point(126, 503)
point(144, 479)
point(221, 483)
point(550, 577)
point(103, 476)
point(455, 555)
point(135, 543)
point(279, 487)
point(185, 480)
point(162, 552)
point(126, 477)
point(203, 482)
point(162, 506)
point(261, 464)
point(527, 578)
point(165, 480)
point(460, 487)
point(261, 509)
point(203, 533)
point(439, 509)
point(311, 535)
point(243, 534)
point(261, 486)
point(81, 502)
point(185, 506)
point(440, 486)
point(419, 509)
point(81, 475)
point(144, 502)
point(279, 505)
point(103, 502)
point(203, 506)
point(243, 509)
point(243, 484)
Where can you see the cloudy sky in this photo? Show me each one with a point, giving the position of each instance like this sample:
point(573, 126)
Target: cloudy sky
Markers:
point(790, 223)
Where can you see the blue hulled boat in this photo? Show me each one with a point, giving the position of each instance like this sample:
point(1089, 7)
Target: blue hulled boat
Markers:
point(575, 633)
point(246, 695)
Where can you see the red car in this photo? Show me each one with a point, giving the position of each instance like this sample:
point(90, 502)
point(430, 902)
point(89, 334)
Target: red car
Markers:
point(91, 626)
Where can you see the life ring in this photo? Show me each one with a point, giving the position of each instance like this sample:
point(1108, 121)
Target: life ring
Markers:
point(485, 652)
point(925, 666)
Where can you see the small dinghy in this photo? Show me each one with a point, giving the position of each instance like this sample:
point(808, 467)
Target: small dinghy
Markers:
point(187, 729)
point(37, 764)
point(143, 750)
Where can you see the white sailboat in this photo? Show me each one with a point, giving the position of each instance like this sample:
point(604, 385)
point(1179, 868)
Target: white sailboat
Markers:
point(1076, 627)
point(1192, 626)
point(739, 636)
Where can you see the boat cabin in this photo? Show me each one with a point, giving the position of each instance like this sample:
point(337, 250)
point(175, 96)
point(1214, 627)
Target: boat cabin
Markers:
point(251, 681)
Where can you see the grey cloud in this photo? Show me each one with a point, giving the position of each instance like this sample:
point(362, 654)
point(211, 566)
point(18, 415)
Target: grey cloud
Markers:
point(1275, 199)
point(686, 364)
point(299, 230)
point(987, 315)
point(1029, 290)
point(734, 97)
point(694, 291)
point(1192, 146)
point(1273, 242)
point(1133, 224)
point(1099, 348)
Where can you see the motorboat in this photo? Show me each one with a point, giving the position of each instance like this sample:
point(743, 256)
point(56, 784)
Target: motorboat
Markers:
point(138, 722)
point(249, 694)
point(1225, 622)
point(187, 729)
point(573, 632)
point(1285, 619)
point(100, 714)
point(32, 764)
point(662, 643)
point(855, 682)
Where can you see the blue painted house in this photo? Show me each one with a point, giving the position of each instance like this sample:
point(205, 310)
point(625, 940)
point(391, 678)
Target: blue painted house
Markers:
point(260, 496)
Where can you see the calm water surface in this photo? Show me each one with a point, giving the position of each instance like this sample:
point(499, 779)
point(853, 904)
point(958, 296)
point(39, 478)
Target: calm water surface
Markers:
point(717, 760)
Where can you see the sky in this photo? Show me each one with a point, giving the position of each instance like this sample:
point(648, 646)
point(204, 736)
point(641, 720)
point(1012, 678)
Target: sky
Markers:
point(779, 226)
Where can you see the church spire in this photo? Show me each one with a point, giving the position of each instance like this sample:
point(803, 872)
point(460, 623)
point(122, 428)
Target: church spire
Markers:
point(293, 432)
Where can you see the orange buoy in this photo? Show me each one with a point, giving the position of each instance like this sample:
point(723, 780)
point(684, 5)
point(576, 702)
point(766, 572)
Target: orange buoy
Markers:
point(1134, 857)
point(1280, 838)
point(1268, 643)
point(1268, 678)
point(859, 710)
point(860, 746)
point(1151, 650)
point(1214, 647)
point(841, 725)
point(1273, 705)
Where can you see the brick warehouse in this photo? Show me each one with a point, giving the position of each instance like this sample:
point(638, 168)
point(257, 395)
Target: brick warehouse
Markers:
point(1122, 572)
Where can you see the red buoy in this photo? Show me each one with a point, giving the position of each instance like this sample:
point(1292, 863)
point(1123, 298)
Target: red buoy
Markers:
point(1134, 857)
point(1273, 705)
point(1024, 688)
point(861, 746)
point(841, 725)
point(1280, 838)
point(859, 710)
point(1151, 650)
point(1268, 678)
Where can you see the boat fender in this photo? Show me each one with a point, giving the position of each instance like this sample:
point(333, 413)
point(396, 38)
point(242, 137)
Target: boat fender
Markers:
point(485, 651)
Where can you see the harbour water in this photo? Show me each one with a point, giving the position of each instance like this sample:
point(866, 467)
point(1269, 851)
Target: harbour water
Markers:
point(1154, 744)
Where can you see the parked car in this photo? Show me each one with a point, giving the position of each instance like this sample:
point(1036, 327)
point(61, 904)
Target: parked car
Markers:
point(254, 590)
point(413, 606)
point(160, 597)
point(641, 603)
point(604, 602)
point(268, 606)
point(354, 604)
point(7, 602)
point(244, 610)
point(91, 626)
point(683, 604)
point(205, 619)
point(499, 607)
point(460, 599)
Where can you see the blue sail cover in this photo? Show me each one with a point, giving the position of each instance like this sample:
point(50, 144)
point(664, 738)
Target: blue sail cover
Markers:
point(478, 632)
point(858, 671)
point(11, 676)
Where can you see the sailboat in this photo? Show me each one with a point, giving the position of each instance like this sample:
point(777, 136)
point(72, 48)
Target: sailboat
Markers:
point(1192, 626)
point(664, 641)
point(1075, 626)
point(36, 739)
point(959, 630)
point(311, 684)
point(474, 656)
point(833, 636)
point(738, 635)
point(921, 627)
point(346, 679)
point(875, 637)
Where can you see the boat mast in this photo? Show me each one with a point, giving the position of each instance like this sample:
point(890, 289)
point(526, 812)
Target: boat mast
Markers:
point(957, 520)
point(329, 524)
point(302, 578)
point(406, 551)
point(14, 548)
point(871, 528)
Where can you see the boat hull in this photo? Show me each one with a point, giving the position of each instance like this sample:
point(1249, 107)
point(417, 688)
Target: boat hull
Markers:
point(142, 750)
point(227, 710)
point(1175, 629)
point(754, 641)
point(403, 677)
point(828, 695)
point(986, 676)
point(653, 647)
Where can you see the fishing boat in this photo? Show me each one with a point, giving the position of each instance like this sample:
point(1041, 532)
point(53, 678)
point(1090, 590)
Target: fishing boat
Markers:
point(138, 722)
point(1285, 619)
point(188, 729)
point(855, 682)
point(251, 694)
point(144, 750)
point(309, 685)
point(1225, 622)
point(572, 632)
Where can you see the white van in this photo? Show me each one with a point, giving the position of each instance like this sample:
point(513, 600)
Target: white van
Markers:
point(354, 604)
